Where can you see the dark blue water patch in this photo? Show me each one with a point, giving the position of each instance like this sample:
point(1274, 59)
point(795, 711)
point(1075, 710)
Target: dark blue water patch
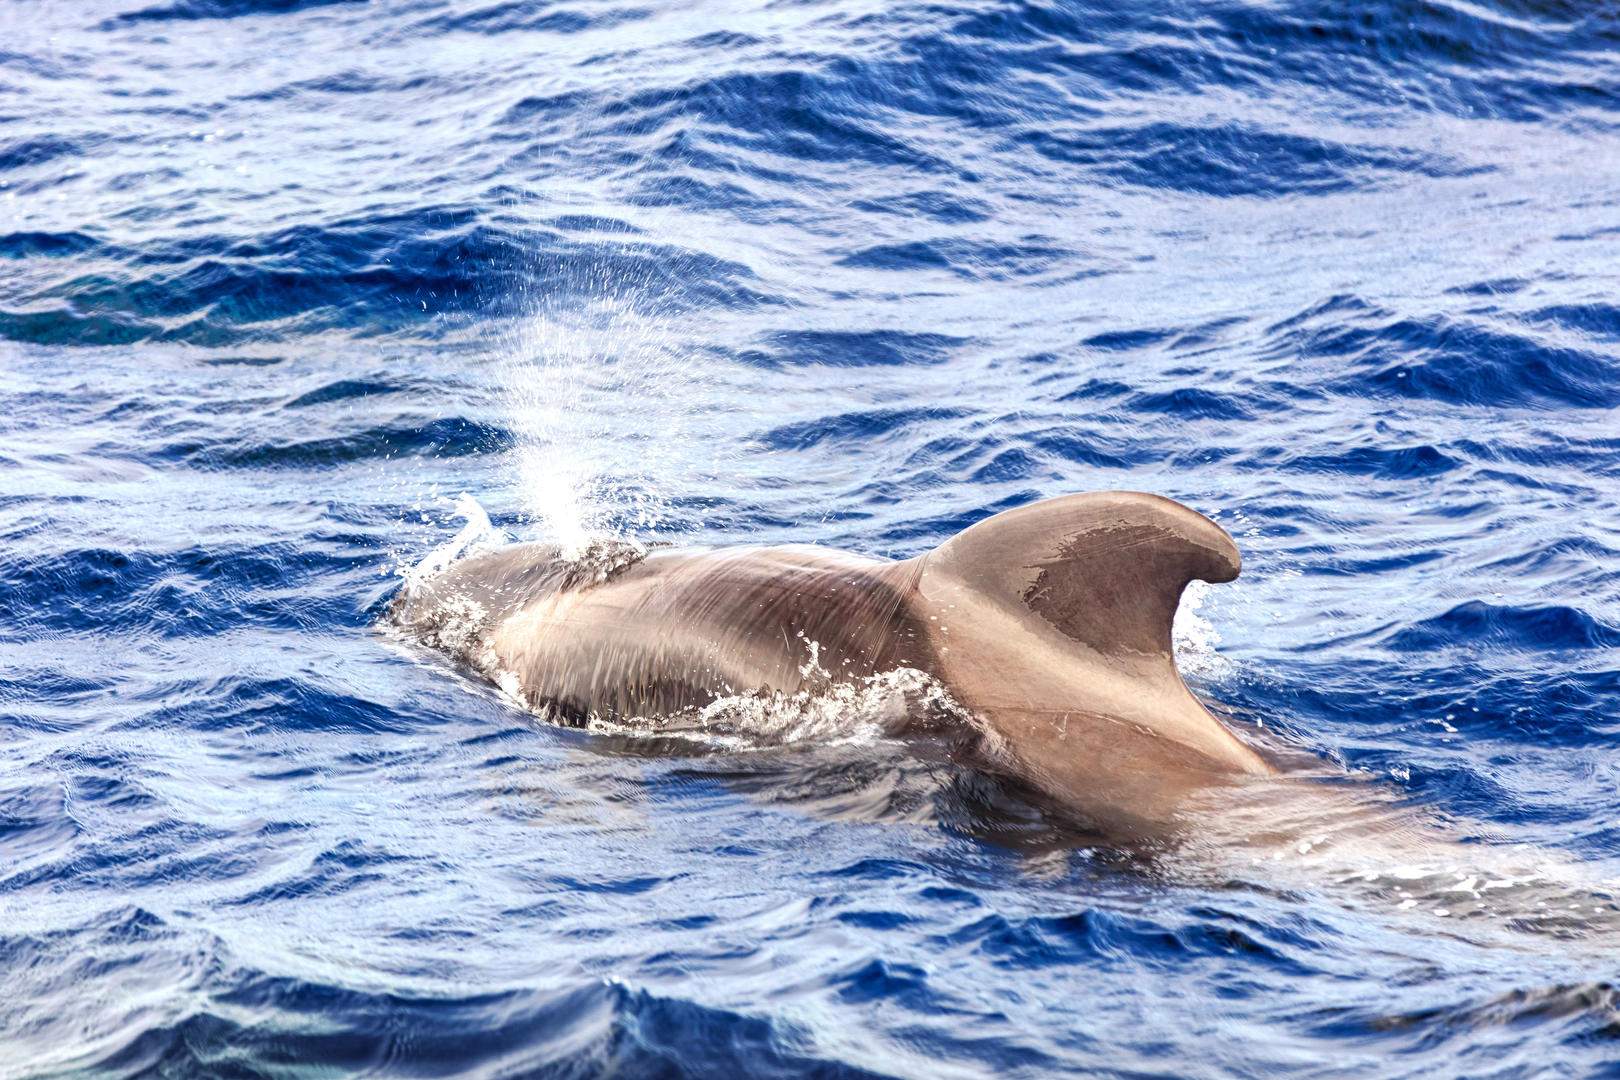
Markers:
point(1539, 628)
point(616, 886)
point(447, 437)
point(1524, 708)
point(592, 223)
point(1565, 555)
point(1192, 403)
point(1326, 560)
point(779, 113)
point(39, 150)
point(24, 245)
point(1586, 1011)
point(935, 205)
point(876, 920)
point(857, 427)
point(969, 260)
point(101, 946)
point(264, 706)
point(215, 1043)
point(656, 1034)
point(1007, 465)
point(350, 865)
point(215, 290)
point(1397, 54)
point(76, 590)
point(1345, 306)
point(876, 869)
point(34, 819)
point(1597, 320)
point(1087, 446)
point(1044, 454)
point(526, 17)
point(67, 323)
point(544, 107)
point(190, 592)
point(1512, 479)
point(878, 980)
point(593, 1030)
point(661, 184)
point(373, 274)
point(1442, 358)
point(244, 361)
point(1126, 340)
point(853, 348)
point(31, 64)
point(1097, 390)
point(1473, 366)
point(1207, 337)
point(1232, 160)
point(193, 10)
point(344, 83)
point(1100, 935)
point(1027, 258)
point(1421, 55)
point(916, 532)
point(916, 255)
point(110, 784)
point(342, 390)
point(1493, 287)
point(724, 39)
point(24, 687)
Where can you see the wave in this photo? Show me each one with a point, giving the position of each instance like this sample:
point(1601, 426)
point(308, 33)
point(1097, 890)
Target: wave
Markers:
point(24, 153)
point(1029, 257)
point(23, 245)
point(194, 10)
point(1234, 160)
point(376, 274)
point(1476, 624)
point(508, 17)
point(182, 591)
point(852, 348)
point(1442, 358)
point(590, 1030)
point(1587, 1012)
point(225, 1016)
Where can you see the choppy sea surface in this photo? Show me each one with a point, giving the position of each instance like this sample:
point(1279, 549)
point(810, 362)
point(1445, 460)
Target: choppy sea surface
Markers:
point(280, 280)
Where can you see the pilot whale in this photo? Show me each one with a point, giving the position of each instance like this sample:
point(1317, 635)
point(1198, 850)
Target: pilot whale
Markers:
point(1050, 624)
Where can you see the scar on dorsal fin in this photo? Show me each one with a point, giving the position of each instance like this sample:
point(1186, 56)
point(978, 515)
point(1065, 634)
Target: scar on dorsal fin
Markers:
point(1105, 569)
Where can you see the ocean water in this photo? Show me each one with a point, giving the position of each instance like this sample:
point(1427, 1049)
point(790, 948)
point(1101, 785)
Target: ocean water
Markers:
point(282, 280)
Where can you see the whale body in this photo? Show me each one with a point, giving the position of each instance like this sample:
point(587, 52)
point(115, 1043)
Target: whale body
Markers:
point(1049, 623)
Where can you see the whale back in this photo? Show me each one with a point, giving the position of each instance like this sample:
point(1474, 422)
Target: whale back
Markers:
point(1050, 624)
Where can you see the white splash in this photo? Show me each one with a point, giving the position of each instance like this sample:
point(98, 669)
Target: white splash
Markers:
point(477, 534)
point(1195, 638)
point(612, 418)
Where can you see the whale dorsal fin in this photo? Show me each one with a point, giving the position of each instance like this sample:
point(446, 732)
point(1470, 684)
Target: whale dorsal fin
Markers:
point(1105, 569)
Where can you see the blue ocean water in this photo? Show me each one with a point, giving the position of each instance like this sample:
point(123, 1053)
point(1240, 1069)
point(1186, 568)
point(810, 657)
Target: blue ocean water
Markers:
point(282, 279)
